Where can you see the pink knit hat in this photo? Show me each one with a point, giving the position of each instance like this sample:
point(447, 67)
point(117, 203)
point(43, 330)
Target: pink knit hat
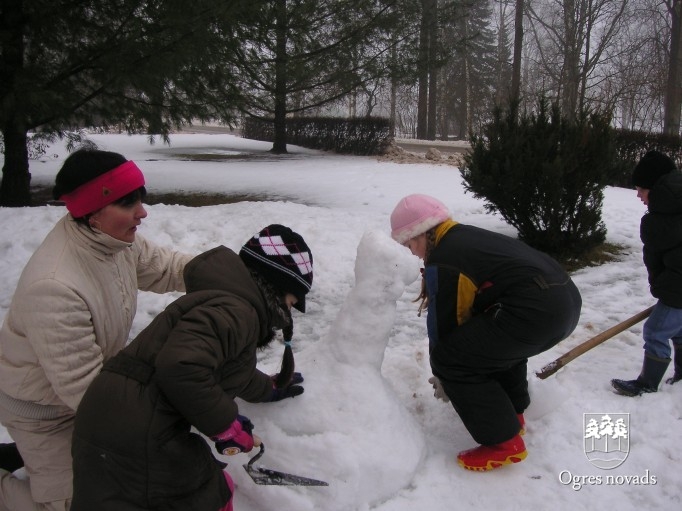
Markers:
point(416, 214)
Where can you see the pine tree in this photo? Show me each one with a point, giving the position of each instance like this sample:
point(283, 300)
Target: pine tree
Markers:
point(471, 70)
point(309, 53)
point(140, 65)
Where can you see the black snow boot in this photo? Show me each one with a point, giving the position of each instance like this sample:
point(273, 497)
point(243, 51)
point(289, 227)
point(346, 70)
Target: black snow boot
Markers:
point(678, 366)
point(10, 459)
point(652, 373)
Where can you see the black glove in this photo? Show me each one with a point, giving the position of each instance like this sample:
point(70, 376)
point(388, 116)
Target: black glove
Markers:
point(295, 379)
point(290, 391)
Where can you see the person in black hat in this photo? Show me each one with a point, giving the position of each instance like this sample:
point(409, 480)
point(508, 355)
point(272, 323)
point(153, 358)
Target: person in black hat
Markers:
point(282, 257)
point(659, 187)
point(133, 444)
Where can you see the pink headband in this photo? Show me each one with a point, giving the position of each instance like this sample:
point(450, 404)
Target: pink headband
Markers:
point(104, 189)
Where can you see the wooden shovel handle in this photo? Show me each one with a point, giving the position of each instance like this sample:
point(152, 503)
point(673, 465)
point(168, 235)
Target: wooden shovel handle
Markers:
point(564, 359)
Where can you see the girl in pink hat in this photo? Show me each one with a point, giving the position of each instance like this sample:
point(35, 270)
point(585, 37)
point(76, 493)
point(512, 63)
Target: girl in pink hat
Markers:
point(492, 302)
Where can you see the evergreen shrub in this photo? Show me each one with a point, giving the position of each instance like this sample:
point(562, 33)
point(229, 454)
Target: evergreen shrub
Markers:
point(545, 175)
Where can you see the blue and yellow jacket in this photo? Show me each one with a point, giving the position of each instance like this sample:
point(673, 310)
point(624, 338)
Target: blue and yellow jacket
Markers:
point(473, 270)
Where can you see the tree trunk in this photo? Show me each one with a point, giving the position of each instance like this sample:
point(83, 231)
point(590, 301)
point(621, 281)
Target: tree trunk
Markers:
point(433, 96)
point(673, 92)
point(279, 145)
point(353, 104)
point(465, 78)
point(15, 188)
point(423, 71)
point(518, 46)
point(433, 72)
point(586, 59)
point(391, 119)
point(571, 72)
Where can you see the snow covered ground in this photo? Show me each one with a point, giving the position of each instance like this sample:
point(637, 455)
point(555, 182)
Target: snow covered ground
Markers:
point(368, 423)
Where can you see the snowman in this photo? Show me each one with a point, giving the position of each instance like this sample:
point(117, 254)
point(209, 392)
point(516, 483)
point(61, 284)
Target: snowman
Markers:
point(349, 428)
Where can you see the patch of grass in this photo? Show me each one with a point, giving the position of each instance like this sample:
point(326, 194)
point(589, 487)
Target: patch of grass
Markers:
point(41, 196)
point(196, 199)
point(209, 157)
point(601, 254)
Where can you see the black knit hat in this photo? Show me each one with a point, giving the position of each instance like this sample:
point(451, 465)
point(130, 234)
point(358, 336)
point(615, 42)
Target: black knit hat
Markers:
point(650, 168)
point(282, 257)
point(82, 166)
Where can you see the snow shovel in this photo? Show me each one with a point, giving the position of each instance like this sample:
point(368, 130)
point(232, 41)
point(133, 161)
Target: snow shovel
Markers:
point(262, 475)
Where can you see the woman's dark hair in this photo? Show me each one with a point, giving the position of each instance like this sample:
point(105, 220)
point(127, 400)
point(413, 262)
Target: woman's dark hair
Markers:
point(132, 197)
point(126, 200)
point(82, 166)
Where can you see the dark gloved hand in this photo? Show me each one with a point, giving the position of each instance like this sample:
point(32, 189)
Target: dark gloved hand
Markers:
point(290, 390)
point(235, 439)
point(295, 379)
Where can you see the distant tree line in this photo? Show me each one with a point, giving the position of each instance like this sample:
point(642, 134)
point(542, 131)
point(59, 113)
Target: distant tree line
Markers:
point(434, 68)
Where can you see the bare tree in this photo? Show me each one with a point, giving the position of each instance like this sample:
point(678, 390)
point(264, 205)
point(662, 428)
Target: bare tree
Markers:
point(573, 38)
point(634, 87)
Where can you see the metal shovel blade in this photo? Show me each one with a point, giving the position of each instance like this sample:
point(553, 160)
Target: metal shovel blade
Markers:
point(262, 475)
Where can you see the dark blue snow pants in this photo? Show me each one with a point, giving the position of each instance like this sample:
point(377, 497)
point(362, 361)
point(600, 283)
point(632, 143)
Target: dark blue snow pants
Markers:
point(482, 364)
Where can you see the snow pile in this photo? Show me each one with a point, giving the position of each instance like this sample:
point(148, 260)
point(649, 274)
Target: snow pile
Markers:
point(381, 453)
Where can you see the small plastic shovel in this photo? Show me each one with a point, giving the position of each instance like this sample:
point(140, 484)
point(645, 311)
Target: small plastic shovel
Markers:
point(262, 475)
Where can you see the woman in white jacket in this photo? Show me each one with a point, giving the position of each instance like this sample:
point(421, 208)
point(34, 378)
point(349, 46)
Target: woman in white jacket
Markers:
point(73, 308)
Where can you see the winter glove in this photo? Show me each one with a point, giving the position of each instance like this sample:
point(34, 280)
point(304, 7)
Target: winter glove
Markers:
point(295, 379)
point(438, 391)
point(289, 391)
point(235, 439)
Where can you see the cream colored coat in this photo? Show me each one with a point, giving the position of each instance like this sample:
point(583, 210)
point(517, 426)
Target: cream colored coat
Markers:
point(73, 308)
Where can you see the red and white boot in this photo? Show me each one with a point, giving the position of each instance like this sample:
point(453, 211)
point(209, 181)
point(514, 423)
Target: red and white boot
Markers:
point(489, 457)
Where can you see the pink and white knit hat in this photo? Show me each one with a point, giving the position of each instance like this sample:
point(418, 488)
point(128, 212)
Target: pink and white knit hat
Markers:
point(416, 214)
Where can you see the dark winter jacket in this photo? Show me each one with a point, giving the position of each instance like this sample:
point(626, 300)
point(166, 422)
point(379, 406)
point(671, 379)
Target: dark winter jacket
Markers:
point(661, 234)
point(472, 270)
point(132, 445)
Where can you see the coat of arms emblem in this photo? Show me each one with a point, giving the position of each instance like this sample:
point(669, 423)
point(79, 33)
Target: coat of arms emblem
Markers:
point(606, 438)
